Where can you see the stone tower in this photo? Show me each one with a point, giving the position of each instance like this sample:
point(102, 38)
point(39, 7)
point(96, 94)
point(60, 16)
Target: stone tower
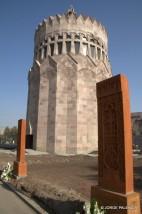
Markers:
point(70, 57)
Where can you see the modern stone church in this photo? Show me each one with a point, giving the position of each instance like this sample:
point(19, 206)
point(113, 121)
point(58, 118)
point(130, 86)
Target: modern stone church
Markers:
point(70, 57)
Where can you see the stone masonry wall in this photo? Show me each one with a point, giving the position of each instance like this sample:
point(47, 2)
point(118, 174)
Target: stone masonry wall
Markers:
point(32, 105)
point(70, 57)
point(67, 106)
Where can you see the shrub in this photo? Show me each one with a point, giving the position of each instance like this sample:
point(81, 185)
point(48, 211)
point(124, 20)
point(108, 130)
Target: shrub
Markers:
point(6, 174)
point(93, 208)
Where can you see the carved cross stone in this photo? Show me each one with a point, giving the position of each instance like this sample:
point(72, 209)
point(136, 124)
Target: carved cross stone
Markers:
point(115, 181)
point(20, 165)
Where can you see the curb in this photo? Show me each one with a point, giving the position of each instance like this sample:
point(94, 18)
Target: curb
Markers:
point(28, 201)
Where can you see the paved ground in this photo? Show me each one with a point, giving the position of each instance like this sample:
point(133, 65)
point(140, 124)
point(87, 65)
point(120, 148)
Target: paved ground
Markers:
point(11, 204)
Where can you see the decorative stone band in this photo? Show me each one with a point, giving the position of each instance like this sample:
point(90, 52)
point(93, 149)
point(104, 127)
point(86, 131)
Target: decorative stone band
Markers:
point(71, 42)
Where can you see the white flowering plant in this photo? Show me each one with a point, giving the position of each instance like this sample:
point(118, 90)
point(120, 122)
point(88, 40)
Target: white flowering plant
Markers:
point(6, 174)
point(93, 208)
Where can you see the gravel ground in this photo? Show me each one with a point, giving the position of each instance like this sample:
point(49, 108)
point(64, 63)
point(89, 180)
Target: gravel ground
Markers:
point(63, 178)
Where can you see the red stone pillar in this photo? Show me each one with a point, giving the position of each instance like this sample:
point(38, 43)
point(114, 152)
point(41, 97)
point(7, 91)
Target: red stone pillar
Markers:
point(20, 165)
point(115, 190)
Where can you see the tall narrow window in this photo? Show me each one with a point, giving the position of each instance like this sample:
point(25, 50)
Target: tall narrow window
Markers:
point(85, 49)
point(60, 45)
point(99, 53)
point(68, 47)
point(45, 51)
point(52, 49)
point(77, 47)
point(92, 51)
point(103, 55)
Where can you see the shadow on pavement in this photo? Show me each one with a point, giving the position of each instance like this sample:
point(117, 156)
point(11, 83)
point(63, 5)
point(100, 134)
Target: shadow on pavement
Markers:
point(53, 206)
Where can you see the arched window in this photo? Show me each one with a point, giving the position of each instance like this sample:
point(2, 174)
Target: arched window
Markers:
point(45, 51)
point(52, 49)
point(92, 51)
point(103, 55)
point(77, 47)
point(68, 47)
point(99, 53)
point(85, 49)
point(60, 46)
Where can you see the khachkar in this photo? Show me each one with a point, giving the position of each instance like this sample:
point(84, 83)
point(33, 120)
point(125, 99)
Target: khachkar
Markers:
point(115, 190)
point(70, 57)
point(20, 165)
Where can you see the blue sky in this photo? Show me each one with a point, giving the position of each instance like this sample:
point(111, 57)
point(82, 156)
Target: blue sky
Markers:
point(18, 20)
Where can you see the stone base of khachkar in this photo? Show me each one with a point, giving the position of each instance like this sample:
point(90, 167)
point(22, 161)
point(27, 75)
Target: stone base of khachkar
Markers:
point(115, 190)
point(114, 202)
point(20, 165)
